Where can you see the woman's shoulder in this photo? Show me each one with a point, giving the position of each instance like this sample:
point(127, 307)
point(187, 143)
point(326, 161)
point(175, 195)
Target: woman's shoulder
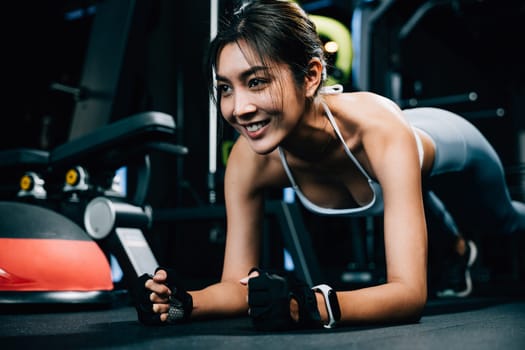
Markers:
point(364, 109)
point(365, 114)
point(362, 102)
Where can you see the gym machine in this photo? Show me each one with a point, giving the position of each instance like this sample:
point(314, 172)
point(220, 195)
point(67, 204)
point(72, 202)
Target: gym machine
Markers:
point(55, 242)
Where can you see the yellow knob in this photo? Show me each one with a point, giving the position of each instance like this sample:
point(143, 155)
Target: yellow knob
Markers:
point(72, 177)
point(26, 183)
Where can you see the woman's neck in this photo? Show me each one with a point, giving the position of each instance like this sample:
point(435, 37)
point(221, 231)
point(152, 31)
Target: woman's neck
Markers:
point(313, 135)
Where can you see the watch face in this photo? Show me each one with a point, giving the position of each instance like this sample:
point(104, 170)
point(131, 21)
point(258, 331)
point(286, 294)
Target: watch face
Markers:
point(336, 311)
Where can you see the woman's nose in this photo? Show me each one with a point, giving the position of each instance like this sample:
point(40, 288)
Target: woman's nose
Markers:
point(243, 105)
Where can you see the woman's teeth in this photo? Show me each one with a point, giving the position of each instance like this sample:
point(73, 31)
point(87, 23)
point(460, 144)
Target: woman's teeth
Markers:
point(255, 126)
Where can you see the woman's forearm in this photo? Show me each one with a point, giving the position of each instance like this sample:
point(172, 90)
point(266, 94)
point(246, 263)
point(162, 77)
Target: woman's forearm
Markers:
point(390, 302)
point(220, 300)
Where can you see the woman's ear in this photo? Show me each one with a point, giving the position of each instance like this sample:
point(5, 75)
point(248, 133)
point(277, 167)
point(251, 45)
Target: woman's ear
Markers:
point(313, 77)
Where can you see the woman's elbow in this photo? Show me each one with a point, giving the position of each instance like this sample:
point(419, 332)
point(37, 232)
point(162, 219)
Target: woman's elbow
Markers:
point(417, 302)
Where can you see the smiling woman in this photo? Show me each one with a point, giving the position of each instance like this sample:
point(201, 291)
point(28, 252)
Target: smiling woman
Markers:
point(350, 154)
point(252, 97)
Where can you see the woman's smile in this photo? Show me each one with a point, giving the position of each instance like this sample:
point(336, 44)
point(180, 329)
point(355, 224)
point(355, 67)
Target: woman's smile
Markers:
point(256, 128)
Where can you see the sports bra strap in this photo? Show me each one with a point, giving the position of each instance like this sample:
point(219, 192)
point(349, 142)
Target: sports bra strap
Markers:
point(347, 150)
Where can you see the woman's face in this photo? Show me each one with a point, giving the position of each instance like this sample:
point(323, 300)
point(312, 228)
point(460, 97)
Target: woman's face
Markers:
point(262, 103)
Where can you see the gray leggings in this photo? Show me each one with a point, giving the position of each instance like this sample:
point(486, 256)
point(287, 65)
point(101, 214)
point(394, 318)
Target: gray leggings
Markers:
point(466, 188)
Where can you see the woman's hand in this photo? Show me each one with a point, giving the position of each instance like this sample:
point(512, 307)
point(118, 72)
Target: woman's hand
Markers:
point(161, 298)
point(280, 302)
point(160, 293)
point(253, 273)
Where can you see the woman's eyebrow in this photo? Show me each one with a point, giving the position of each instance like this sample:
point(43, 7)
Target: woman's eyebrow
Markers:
point(245, 74)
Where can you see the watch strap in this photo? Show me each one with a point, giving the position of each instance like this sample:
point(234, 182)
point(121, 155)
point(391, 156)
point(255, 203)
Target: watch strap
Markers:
point(331, 302)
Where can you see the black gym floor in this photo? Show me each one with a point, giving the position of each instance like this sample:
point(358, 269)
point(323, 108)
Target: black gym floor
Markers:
point(472, 323)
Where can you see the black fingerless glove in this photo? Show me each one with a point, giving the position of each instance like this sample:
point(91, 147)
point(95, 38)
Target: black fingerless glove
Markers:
point(140, 297)
point(181, 302)
point(269, 298)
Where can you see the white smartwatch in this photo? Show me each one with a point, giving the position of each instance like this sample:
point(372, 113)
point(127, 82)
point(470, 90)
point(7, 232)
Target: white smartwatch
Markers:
point(331, 302)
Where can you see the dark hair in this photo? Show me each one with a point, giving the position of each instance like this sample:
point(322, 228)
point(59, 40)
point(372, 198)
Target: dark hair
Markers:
point(276, 30)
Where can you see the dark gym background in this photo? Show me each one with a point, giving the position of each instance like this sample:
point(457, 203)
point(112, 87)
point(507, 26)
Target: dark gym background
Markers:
point(424, 52)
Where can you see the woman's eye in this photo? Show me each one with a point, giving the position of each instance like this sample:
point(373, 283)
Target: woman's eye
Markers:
point(256, 82)
point(223, 89)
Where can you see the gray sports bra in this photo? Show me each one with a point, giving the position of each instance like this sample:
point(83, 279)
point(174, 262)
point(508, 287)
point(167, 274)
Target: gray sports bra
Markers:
point(376, 205)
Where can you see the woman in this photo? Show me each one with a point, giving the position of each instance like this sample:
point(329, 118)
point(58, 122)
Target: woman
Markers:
point(344, 154)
